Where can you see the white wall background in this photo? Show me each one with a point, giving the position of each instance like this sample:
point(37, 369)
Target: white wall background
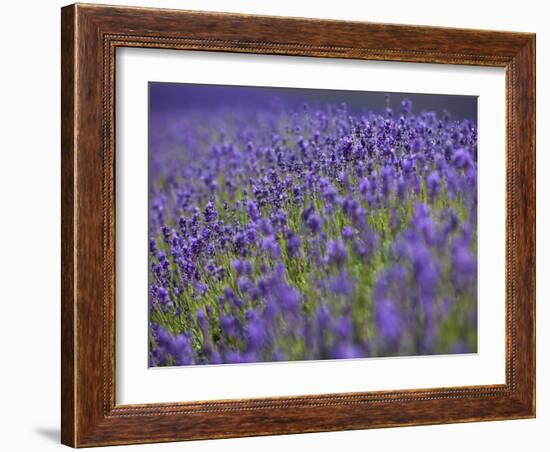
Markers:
point(30, 212)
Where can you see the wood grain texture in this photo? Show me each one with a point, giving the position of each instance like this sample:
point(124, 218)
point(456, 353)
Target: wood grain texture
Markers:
point(90, 36)
point(68, 310)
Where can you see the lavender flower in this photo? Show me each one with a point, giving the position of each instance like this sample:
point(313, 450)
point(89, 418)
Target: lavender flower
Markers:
point(279, 231)
point(336, 252)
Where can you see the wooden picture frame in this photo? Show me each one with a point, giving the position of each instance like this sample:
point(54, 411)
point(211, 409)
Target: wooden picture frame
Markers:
point(90, 35)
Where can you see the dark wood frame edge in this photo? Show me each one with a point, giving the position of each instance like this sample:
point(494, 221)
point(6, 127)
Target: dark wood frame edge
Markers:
point(90, 35)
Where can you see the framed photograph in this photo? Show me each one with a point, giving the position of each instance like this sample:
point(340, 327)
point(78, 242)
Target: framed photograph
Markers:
point(281, 225)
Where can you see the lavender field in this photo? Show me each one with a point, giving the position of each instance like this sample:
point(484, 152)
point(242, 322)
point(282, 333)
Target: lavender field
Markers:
point(300, 228)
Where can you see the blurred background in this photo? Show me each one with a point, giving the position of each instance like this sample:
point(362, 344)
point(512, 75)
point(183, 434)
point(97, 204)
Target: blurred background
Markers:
point(178, 97)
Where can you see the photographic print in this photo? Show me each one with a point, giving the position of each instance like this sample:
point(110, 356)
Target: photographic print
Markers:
point(303, 216)
point(291, 224)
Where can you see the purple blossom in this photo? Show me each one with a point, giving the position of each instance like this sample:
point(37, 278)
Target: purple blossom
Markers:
point(347, 232)
point(315, 223)
point(341, 284)
point(293, 243)
point(462, 159)
point(271, 247)
point(242, 267)
point(388, 321)
point(336, 252)
point(464, 265)
point(330, 193)
point(252, 211)
point(433, 183)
